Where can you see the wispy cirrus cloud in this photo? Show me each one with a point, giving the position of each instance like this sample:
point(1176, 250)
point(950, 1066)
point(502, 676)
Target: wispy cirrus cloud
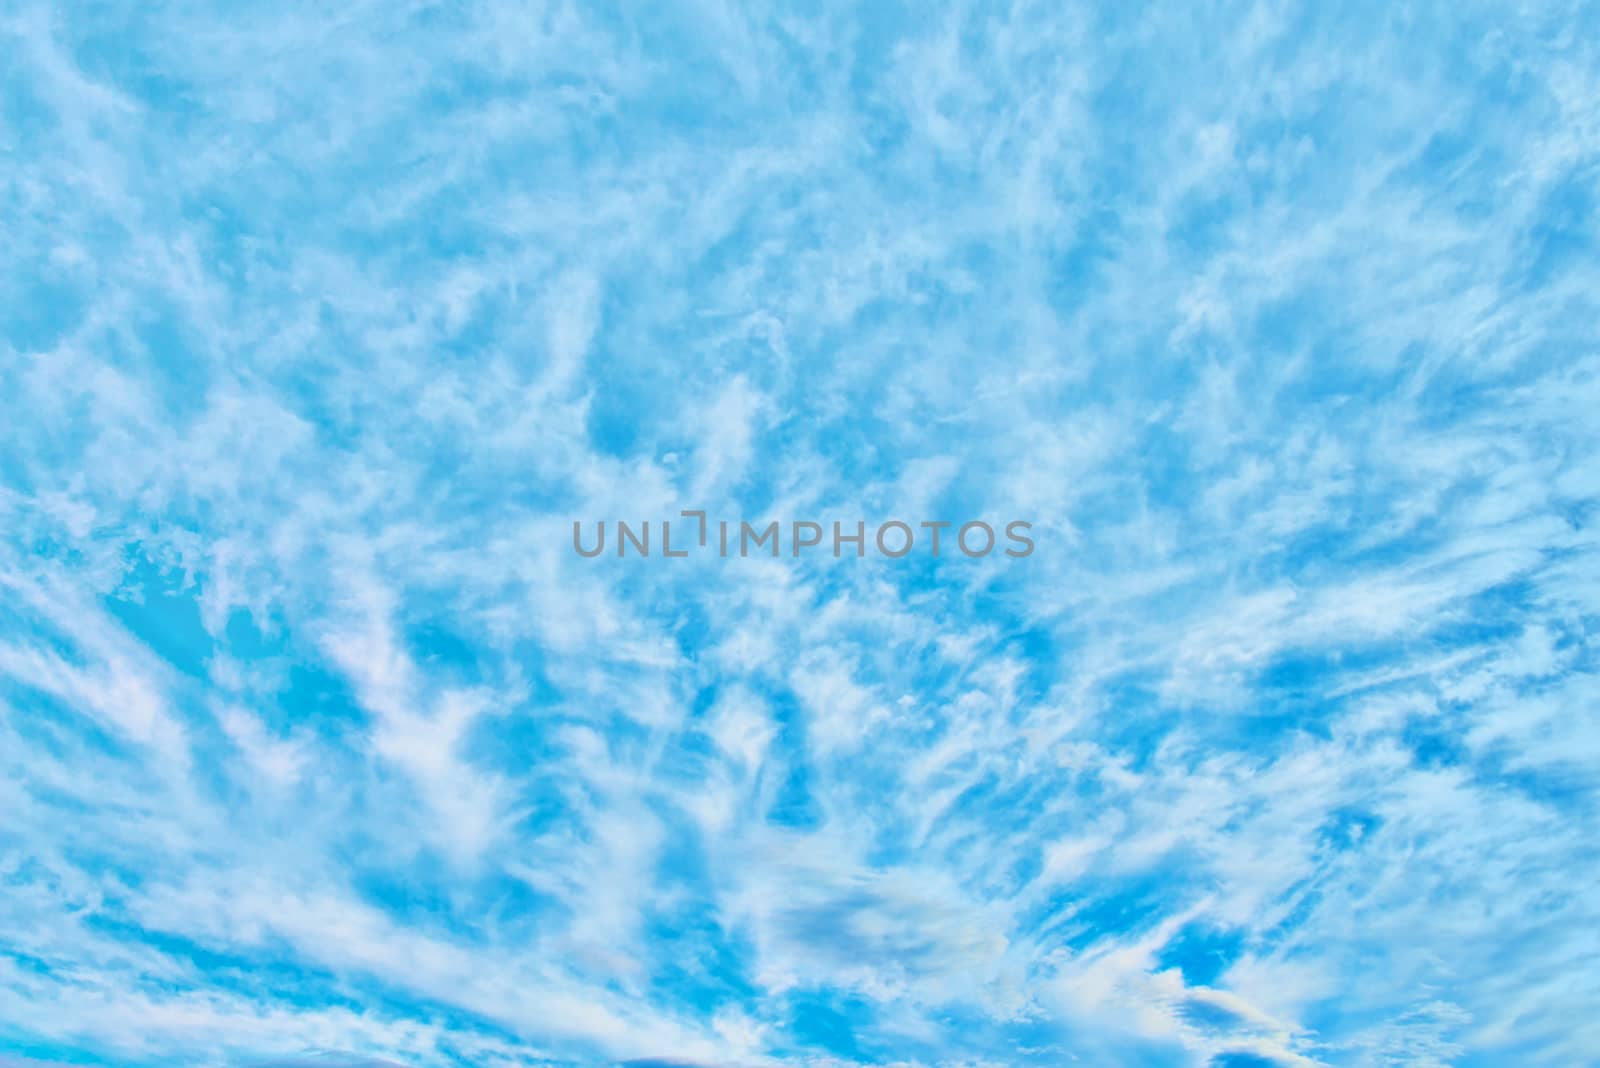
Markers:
point(317, 332)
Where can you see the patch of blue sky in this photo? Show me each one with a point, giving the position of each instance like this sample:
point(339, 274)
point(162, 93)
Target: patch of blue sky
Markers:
point(318, 745)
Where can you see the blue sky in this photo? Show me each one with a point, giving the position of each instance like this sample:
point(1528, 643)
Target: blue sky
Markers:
point(319, 746)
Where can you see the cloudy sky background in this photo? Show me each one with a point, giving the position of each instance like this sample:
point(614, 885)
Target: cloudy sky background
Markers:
point(320, 747)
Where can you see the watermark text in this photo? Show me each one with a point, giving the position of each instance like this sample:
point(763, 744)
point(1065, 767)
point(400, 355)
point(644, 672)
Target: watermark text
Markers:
point(693, 534)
